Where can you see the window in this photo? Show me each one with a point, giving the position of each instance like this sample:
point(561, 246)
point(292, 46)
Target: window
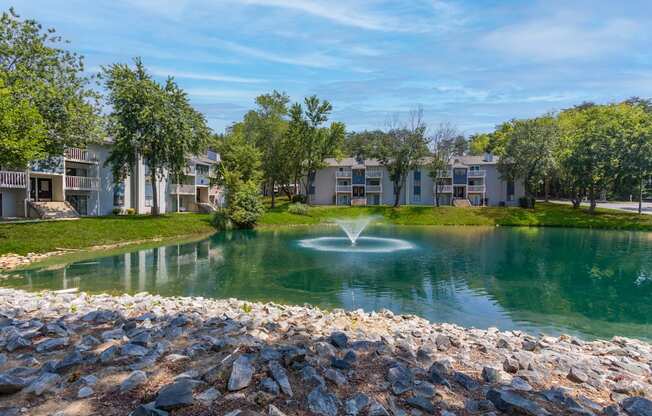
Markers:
point(119, 194)
point(459, 176)
point(312, 190)
point(510, 190)
point(202, 170)
point(417, 175)
point(149, 197)
point(474, 168)
point(416, 187)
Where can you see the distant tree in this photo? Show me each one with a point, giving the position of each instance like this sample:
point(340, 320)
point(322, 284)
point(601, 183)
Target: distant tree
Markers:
point(644, 103)
point(361, 144)
point(153, 122)
point(402, 149)
point(479, 143)
point(443, 149)
point(460, 145)
point(46, 84)
point(530, 152)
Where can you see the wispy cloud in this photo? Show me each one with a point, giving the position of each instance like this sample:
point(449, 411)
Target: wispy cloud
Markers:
point(313, 59)
point(163, 72)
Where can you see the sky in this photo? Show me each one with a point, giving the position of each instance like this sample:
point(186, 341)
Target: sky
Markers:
point(473, 63)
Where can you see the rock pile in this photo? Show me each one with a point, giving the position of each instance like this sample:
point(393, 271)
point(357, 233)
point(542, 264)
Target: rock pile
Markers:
point(76, 354)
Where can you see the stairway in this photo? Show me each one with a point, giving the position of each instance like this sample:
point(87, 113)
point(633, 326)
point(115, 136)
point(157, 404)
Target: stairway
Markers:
point(54, 210)
point(206, 208)
point(462, 203)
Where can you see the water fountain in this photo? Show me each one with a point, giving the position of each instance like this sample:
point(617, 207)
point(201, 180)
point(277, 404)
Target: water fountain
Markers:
point(353, 242)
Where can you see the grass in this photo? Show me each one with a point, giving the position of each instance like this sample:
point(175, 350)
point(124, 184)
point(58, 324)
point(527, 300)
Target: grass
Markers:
point(543, 215)
point(42, 237)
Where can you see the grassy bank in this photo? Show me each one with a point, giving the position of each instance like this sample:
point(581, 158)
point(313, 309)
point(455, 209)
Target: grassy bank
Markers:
point(42, 237)
point(549, 215)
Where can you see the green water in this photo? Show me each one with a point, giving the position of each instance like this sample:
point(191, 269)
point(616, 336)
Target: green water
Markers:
point(590, 283)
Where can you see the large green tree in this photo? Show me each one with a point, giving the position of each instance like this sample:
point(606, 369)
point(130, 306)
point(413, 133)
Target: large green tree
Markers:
point(44, 81)
point(402, 149)
point(443, 143)
point(152, 122)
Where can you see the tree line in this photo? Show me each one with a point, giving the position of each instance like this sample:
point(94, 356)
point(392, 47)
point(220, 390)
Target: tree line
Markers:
point(589, 151)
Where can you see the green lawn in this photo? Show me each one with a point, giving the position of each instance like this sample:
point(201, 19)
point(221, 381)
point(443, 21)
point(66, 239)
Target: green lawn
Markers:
point(549, 215)
point(41, 237)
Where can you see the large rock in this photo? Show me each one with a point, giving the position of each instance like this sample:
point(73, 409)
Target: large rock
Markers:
point(339, 339)
point(175, 395)
point(44, 383)
point(148, 410)
point(323, 403)
point(513, 403)
point(576, 375)
point(134, 380)
point(278, 373)
point(10, 384)
point(71, 360)
point(241, 374)
point(207, 397)
point(356, 404)
point(637, 406)
point(421, 403)
point(51, 344)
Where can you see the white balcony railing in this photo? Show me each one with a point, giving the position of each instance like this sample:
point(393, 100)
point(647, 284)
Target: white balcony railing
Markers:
point(373, 188)
point(476, 189)
point(82, 183)
point(374, 173)
point(444, 189)
point(343, 188)
point(181, 189)
point(80, 155)
point(343, 173)
point(477, 173)
point(10, 179)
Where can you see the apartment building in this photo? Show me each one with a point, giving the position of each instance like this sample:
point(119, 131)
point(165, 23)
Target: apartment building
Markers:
point(476, 179)
point(79, 184)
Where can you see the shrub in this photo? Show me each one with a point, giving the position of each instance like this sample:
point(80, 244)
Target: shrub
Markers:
point(221, 221)
point(526, 202)
point(117, 211)
point(298, 198)
point(245, 206)
point(298, 209)
point(131, 211)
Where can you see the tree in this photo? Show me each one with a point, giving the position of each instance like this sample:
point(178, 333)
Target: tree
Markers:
point(402, 149)
point(266, 127)
point(151, 122)
point(310, 142)
point(361, 144)
point(42, 77)
point(443, 150)
point(529, 152)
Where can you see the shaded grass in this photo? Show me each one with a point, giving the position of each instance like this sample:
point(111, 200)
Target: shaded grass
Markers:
point(42, 237)
point(543, 215)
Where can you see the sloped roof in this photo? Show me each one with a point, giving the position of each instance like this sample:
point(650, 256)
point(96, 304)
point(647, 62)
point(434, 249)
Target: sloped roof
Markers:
point(463, 160)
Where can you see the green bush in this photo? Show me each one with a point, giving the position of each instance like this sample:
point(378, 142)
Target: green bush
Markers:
point(117, 211)
point(245, 205)
point(526, 202)
point(298, 198)
point(298, 209)
point(131, 211)
point(221, 221)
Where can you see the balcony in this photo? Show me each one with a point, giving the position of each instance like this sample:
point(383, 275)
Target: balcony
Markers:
point(374, 173)
point(82, 183)
point(13, 179)
point(374, 189)
point(74, 154)
point(201, 180)
point(343, 173)
point(343, 188)
point(444, 189)
point(446, 173)
point(181, 189)
point(476, 189)
point(52, 166)
point(190, 170)
point(477, 173)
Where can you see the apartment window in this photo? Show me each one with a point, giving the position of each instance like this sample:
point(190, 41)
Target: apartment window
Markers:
point(474, 168)
point(416, 187)
point(312, 190)
point(149, 194)
point(417, 175)
point(510, 190)
point(119, 194)
point(202, 170)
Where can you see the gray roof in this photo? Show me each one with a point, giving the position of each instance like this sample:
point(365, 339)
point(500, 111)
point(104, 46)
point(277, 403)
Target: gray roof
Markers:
point(350, 161)
point(463, 160)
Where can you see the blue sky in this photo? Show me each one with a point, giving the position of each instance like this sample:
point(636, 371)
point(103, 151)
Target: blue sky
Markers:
point(473, 63)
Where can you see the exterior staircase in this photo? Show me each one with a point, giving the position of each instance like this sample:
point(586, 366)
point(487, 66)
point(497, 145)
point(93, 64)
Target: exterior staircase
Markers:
point(462, 203)
point(206, 208)
point(54, 210)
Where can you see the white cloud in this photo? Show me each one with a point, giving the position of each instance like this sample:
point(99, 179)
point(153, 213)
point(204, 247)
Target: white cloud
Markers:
point(561, 38)
point(163, 72)
point(314, 60)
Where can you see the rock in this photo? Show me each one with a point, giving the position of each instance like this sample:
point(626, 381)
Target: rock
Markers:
point(520, 384)
point(148, 410)
point(51, 344)
point(425, 389)
point(89, 380)
point(135, 379)
point(143, 339)
point(511, 365)
point(112, 334)
point(401, 378)
point(339, 339)
point(133, 350)
point(529, 345)
point(308, 373)
point(421, 403)
point(44, 383)
point(108, 354)
point(479, 406)
point(340, 364)
point(16, 343)
point(357, 404)
point(443, 342)
point(612, 410)
point(321, 402)
point(576, 375)
point(281, 377)
point(335, 376)
point(241, 374)
point(491, 375)
point(71, 360)
point(175, 395)
point(207, 397)
point(512, 403)
point(424, 355)
point(273, 411)
point(11, 384)
point(270, 386)
point(637, 406)
point(502, 343)
point(350, 357)
point(377, 409)
point(84, 392)
point(465, 381)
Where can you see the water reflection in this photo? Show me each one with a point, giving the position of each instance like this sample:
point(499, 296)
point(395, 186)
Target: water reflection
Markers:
point(589, 282)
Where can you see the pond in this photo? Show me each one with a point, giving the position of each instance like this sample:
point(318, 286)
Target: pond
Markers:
point(583, 282)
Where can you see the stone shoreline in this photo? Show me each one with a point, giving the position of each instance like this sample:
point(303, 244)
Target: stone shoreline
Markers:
point(76, 354)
